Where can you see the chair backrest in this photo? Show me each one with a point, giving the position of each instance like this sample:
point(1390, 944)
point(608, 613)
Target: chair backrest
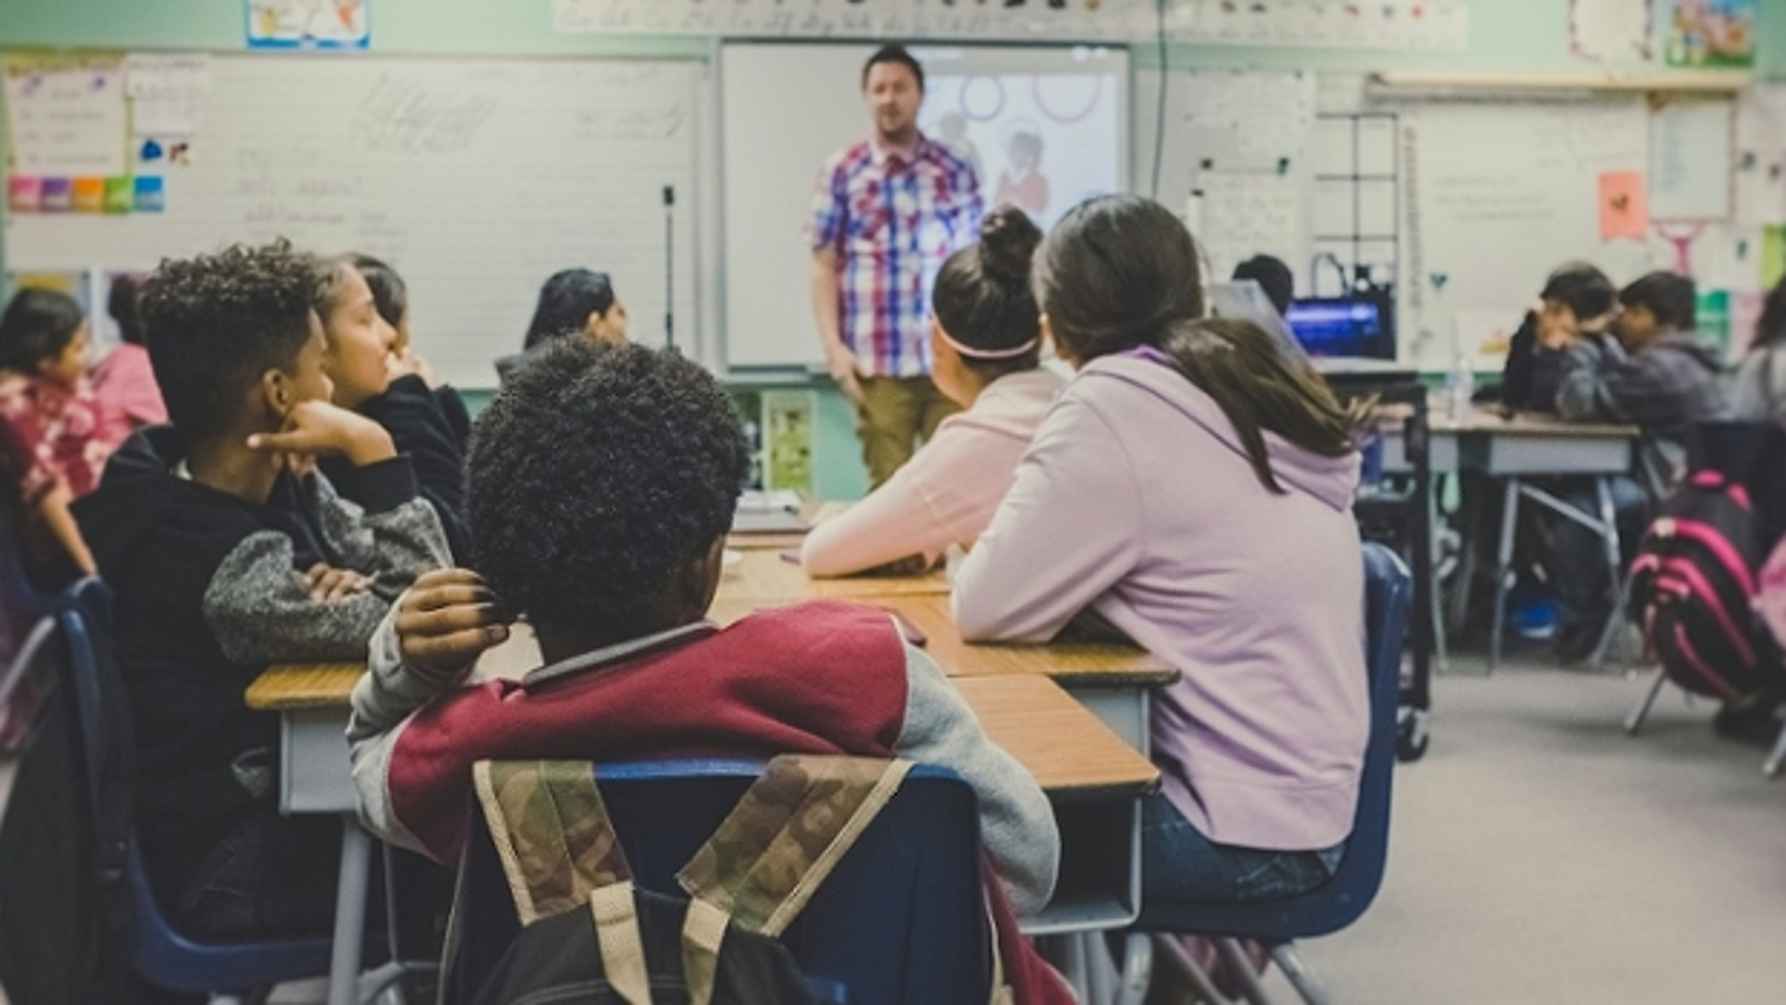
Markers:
point(900, 920)
point(1338, 902)
point(49, 910)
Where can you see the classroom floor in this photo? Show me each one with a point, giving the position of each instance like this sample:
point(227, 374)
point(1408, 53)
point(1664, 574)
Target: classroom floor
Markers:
point(1542, 857)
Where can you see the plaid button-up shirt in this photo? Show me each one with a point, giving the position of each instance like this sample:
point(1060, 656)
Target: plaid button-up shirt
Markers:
point(892, 217)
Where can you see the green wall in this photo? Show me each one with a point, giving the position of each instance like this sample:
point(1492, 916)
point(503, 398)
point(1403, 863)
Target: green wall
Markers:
point(1505, 36)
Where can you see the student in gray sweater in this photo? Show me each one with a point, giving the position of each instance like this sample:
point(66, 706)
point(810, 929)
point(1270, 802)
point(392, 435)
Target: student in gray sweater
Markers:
point(1758, 389)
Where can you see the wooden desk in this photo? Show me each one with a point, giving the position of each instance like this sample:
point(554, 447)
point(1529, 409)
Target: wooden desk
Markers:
point(763, 575)
point(1093, 776)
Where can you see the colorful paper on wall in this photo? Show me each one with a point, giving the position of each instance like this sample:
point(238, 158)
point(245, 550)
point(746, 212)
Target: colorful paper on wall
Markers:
point(1709, 33)
point(24, 193)
point(66, 115)
point(119, 195)
point(89, 195)
point(149, 194)
point(58, 195)
point(309, 24)
point(1624, 206)
point(1773, 256)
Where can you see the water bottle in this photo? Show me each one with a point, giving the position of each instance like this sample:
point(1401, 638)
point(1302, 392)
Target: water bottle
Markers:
point(1462, 388)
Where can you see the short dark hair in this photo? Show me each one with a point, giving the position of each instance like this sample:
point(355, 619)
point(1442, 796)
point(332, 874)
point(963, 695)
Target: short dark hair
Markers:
point(121, 304)
point(1672, 298)
point(983, 299)
point(38, 325)
point(390, 294)
point(597, 475)
point(1583, 288)
point(1273, 276)
point(217, 322)
point(894, 54)
point(566, 301)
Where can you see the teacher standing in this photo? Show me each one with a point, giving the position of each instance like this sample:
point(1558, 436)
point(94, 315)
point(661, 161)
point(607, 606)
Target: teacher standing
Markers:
point(886, 212)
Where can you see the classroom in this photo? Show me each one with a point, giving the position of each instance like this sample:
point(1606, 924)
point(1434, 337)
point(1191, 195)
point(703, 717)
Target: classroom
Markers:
point(893, 501)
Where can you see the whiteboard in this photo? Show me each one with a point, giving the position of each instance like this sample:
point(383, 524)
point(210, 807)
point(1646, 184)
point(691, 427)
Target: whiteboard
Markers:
point(787, 107)
point(476, 178)
point(1497, 196)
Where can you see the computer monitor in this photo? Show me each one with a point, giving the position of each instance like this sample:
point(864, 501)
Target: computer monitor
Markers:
point(1343, 326)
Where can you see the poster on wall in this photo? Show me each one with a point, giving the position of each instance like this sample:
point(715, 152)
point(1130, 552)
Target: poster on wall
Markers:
point(1717, 34)
point(309, 24)
point(1611, 30)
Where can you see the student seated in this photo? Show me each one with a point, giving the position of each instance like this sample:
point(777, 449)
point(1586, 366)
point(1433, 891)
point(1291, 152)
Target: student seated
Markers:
point(1273, 276)
point(227, 551)
point(55, 434)
point(603, 482)
point(390, 297)
point(986, 340)
point(1193, 490)
point(1655, 373)
point(1577, 303)
point(124, 379)
point(1758, 388)
point(372, 377)
point(573, 302)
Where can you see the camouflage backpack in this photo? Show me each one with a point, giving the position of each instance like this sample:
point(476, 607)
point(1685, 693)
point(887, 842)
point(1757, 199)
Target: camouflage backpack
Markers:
point(591, 936)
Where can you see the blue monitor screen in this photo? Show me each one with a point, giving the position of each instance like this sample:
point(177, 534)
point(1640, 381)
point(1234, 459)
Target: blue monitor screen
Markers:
point(1336, 327)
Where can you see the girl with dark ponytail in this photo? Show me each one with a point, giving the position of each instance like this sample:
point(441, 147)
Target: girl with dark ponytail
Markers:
point(1193, 490)
point(986, 338)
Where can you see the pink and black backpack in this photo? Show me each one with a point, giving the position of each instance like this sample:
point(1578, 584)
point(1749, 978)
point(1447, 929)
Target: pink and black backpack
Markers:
point(1698, 573)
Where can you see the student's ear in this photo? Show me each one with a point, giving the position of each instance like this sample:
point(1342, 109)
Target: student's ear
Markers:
point(277, 393)
point(700, 580)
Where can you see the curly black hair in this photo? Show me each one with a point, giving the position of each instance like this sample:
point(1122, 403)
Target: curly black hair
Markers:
point(597, 475)
point(217, 322)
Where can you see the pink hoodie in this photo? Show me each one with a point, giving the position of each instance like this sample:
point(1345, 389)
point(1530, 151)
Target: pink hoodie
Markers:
point(1137, 499)
point(947, 493)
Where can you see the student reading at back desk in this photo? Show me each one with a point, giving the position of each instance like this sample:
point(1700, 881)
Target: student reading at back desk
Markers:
point(603, 481)
point(228, 552)
point(987, 343)
point(1194, 489)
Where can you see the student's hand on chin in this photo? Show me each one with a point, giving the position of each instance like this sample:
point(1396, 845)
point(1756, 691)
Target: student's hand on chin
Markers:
point(319, 429)
point(446, 621)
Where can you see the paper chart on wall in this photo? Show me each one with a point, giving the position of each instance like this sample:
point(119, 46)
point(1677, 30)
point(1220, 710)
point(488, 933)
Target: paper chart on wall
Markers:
point(1690, 168)
point(1761, 156)
point(167, 92)
point(1407, 25)
point(1067, 20)
point(1610, 30)
point(66, 117)
point(1242, 120)
point(1251, 214)
point(809, 18)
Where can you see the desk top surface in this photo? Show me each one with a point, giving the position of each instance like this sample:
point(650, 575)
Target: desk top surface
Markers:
point(763, 574)
point(1492, 420)
point(1060, 742)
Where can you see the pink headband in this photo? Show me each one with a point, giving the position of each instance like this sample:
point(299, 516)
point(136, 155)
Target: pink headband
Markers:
point(988, 353)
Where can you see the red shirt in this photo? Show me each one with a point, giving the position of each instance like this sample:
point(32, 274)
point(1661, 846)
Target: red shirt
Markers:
point(52, 433)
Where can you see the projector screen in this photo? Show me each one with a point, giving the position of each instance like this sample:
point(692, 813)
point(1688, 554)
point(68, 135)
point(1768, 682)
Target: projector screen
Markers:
point(1045, 127)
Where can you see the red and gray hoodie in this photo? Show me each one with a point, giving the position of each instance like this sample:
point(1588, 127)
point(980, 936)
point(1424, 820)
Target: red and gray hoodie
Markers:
point(824, 678)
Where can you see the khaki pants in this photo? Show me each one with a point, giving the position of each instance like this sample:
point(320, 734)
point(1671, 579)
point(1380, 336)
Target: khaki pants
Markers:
point(894, 412)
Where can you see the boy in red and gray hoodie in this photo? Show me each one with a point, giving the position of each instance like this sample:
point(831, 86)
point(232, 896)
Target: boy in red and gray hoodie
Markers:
point(602, 487)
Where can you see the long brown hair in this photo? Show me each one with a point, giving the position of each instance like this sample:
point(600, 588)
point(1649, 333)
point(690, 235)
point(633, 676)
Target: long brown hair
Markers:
point(1120, 273)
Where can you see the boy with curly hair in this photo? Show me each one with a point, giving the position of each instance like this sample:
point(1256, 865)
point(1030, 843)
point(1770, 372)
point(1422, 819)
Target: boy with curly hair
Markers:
point(603, 482)
point(228, 551)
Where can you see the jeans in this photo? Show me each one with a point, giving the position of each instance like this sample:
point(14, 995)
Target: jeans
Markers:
point(1179, 864)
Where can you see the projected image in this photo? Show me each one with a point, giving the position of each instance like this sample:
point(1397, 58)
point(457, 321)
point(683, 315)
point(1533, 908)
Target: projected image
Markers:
point(1039, 138)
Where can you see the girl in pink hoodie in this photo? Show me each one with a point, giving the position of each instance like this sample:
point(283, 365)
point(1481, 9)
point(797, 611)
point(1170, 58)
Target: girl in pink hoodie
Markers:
point(986, 339)
point(1193, 489)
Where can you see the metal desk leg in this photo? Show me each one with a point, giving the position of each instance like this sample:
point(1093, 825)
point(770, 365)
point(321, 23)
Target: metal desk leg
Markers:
point(1609, 535)
point(1774, 760)
point(1504, 569)
point(350, 912)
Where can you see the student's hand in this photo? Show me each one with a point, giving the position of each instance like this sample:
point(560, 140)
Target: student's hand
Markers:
point(1556, 333)
point(320, 429)
point(446, 620)
point(328, 584)
point(842, 364)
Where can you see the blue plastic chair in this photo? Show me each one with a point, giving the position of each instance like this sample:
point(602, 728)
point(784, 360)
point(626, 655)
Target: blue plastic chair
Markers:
point(900, 921)
point(228, 972)
point(1340, 901)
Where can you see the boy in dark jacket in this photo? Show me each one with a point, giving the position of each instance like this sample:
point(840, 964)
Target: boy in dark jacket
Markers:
point(1577, 303)
point(227, 552)
point(1655, 374)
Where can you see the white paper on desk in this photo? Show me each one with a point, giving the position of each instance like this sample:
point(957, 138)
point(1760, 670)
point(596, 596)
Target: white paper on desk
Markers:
point(1251, 214)
point(1611, 30)
point(168, 93)
point(1761, 156)
point(67, 121)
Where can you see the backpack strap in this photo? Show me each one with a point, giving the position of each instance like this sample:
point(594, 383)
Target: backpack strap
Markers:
point(774, 850)
point(552, 832)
